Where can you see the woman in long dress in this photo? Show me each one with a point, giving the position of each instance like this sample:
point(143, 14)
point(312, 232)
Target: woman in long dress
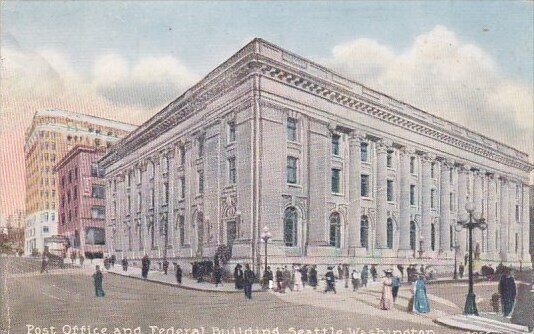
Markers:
point(420, 299)
point(98, 278)
point(386, 302)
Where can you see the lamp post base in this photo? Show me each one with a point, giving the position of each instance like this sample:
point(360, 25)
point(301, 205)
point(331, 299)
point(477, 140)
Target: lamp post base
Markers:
point(470, 305)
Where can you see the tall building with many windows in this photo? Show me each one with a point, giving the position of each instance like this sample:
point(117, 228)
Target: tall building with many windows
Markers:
point(338, 173)
point(50, 136)
point(81, 209)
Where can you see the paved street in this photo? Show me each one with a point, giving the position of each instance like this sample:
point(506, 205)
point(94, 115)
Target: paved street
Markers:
point(66, 297)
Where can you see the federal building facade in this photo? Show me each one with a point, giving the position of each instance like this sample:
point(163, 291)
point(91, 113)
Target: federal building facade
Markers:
point(337, 172)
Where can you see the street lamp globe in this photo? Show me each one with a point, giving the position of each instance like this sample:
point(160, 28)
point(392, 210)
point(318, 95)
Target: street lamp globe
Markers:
point(470, 207)
point(265, 235)
point(463, 217)
point(477, 215)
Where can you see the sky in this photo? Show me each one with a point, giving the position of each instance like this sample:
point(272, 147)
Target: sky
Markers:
point(469, 62)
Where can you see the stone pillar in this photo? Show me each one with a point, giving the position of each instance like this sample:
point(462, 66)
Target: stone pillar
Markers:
point(512, 200)
point(491, 218)
point(381, 195)
point(462, 200)
point(525, 224)
point(354, 210)
point(445, 207)
point(504, 219)
point(477, 200)
point(404, 200)
point(426, 218)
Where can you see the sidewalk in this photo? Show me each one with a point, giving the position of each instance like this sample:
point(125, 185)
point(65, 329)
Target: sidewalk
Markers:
point(170, 280)
point(490, 323)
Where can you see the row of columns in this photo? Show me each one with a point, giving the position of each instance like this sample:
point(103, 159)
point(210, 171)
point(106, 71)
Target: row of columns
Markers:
point(495, 186)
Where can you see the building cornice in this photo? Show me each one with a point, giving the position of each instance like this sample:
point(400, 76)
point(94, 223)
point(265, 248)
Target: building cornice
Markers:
point(265, 59)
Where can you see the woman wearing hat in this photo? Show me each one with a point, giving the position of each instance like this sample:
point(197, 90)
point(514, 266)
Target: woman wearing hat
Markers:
point(420, 300)
point(386, 302)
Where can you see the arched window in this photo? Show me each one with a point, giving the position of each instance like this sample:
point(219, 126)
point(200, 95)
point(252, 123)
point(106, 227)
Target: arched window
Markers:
point(389, 233)
point(290, 227)
point(335, 230)
point(150, 169)
point(433, 237)
point(364, 232)
point(413, 229)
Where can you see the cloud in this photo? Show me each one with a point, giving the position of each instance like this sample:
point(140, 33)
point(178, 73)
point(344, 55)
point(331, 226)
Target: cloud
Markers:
point(150, 82)
point(448, 77)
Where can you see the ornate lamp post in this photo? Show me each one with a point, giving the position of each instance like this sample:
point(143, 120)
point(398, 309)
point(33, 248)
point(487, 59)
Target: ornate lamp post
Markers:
point(456, 247)
point(421, 251)
point(471, 220)
point(265, 236)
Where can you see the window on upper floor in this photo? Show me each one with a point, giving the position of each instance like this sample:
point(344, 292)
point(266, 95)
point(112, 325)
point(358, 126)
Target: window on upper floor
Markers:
point(412, 194)
point(433, 198)
point(292, 170)
point(389, 159)
point(200, 146)
point(231, 131)
point(232, 175)
point(200, 181)
point(336, 181)
point(364, 152)
point(98, 212)
point(390, 191)
point(433, 170)
point(412, 165)
point(292, 129)
point(336, 145)
point(98, 191)
point(364, 185)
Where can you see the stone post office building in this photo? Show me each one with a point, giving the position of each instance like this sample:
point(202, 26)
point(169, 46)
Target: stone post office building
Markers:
point(338, 172)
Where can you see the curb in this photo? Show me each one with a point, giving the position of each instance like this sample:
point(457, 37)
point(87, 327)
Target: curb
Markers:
point(182, 286)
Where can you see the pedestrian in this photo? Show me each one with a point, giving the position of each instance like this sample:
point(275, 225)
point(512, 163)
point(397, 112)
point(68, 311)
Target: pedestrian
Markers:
point(339, 272)
point(286, 274)
point(420, 299)
point(267, 279)
point(374, 273)
point(395, 286)
point(165, 266)
point(106, 263)
point(44, 263)
point(249, 278)
point(98, 277)
point(304, 274)
point(466, 258)
point(145, 266)
point(178, 274)
point(297, 278)
point(401, 270)
point(217, 275)
point(313, 277)
point(346, 275)
point(461, 269)
point(238, 276)
point(113, 259)
point(365, 275)
point(507, 290)
point(386, 300)
point(73, 257)
point(279, 280)
point(330, 280)
point(355, 277)
point(124, 264)
point(82, 258)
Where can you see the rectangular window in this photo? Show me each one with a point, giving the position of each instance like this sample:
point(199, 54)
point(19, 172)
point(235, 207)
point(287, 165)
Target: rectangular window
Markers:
point(139, 201)
point(291, 170)
point(45, 229)
point(129, 204)
point(98, 191)
point(390, 190)
point(165, 193)
point(336, 176)
point(451, 199)
point(412, 194)
point(75, 193)
point(291, 129)
point(231, 132)
point(231, 171)
point(200, 181)
point(335, 144)
point(389, 159)
point(98, 212)
point(182, 186)
point(433, 198)
point(451, 173)
point(433, 170)
point(152, 198)
point(517, 213)
point(412, 165)
point(364, 152)
point(364, 190)
point(181, 227)
point(200, 142)
point(182, 155)
point(94, 170)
